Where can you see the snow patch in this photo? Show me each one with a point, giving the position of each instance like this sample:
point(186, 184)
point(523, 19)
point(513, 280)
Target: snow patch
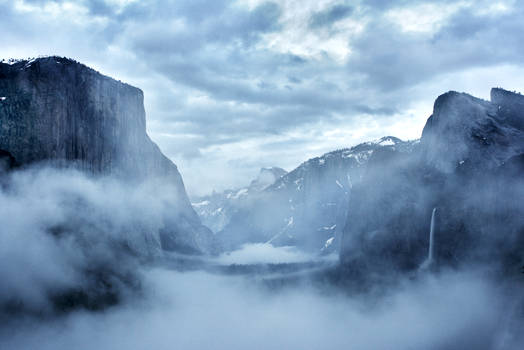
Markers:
point(200, 204)
point(329, 242)
point(29, 63)
point(387, 142)
point(10, 61)
point(360, 157)
point(241, 192)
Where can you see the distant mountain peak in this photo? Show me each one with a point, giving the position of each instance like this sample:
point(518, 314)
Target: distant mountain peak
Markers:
point(386, 141)
point(266, 177)
point(216, 209)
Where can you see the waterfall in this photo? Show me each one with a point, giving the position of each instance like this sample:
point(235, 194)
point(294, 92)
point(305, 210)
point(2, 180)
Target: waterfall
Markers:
point(432, 236)
point(429, 261)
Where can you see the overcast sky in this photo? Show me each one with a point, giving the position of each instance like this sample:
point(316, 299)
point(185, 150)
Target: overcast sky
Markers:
point(232, 86)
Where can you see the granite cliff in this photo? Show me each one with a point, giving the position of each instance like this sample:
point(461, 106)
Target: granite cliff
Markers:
point(56, 111)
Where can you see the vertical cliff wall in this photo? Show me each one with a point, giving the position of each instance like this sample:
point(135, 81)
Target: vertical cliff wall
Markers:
point(55, 110)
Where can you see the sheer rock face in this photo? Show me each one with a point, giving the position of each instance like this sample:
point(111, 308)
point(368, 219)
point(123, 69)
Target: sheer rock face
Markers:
point(55, 110)
point(467, 166)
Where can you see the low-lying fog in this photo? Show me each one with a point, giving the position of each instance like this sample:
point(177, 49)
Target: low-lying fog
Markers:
point(198, 310)
point(205, 308)
point(265, 253)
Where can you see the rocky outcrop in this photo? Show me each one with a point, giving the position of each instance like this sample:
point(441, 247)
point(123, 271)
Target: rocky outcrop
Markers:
point(59, 112)
point(467, 129)
point(466, 167)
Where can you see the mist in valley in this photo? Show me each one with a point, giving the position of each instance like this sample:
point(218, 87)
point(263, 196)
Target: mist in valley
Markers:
point(197, 310)
point(257, 297)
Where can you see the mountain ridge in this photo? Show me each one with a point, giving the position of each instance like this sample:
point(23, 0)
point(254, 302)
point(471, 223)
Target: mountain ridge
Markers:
point(307, 206)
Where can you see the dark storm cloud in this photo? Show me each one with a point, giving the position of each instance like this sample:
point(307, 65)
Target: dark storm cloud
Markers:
point(330, 16)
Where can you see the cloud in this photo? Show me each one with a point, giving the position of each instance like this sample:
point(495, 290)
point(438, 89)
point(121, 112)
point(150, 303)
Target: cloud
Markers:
point(65, 232)
point(330, 16)
point(238, 72)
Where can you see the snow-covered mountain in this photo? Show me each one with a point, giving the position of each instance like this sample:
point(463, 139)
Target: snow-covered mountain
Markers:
point(307, 207)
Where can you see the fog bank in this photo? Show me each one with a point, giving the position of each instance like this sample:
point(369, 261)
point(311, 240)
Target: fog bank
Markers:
point(60, 226)
point(198, 310)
